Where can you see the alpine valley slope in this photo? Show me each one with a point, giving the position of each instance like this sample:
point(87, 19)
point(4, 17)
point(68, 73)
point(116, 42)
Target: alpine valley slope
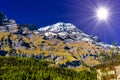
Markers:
point(62, 43)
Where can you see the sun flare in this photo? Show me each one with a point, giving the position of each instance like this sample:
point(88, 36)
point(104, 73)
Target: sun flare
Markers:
point(102, 13)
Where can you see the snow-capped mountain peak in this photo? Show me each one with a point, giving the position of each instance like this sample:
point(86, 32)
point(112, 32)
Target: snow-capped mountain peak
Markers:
point(69, 32)
point(65, 30)
point(59, 27)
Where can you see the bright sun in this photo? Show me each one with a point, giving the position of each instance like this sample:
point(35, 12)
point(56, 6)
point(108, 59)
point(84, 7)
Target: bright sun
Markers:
point(102, 13)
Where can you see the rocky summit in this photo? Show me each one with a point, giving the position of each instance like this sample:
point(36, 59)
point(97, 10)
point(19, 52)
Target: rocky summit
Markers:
point(63, 43)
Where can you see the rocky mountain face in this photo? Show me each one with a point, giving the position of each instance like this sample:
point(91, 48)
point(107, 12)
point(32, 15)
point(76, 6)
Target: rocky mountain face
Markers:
point(69, 33)
point(62, 43)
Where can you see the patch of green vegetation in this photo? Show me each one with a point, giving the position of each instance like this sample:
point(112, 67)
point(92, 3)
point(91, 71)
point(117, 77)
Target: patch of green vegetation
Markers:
point(14, 68)
point(113, 62)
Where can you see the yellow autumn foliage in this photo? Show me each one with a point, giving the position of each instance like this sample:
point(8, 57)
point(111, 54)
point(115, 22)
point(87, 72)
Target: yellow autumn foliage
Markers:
point(7, 48)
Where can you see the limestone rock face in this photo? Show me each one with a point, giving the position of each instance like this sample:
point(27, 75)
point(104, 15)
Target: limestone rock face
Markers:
point(7, 25)
point(12, 26)
point(3, 29)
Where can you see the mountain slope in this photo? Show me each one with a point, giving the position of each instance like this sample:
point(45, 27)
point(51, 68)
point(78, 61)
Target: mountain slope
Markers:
point(62, 43)
point(70, 33)
point(13, 68)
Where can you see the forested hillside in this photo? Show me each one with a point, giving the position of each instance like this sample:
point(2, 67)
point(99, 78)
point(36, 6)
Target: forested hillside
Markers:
point(14, 68)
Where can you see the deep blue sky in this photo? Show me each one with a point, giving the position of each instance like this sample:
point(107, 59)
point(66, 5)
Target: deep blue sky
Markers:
point(78, 12)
